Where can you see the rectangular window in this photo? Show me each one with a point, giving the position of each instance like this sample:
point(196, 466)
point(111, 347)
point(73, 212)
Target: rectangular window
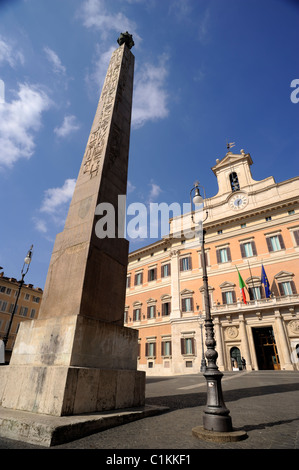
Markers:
point(2, 289)
point(296, 236)
point(138, 279)
point(255, 293)
point(287, 288)
point(152, 274)
point(223, 255)
point(26, 296)
point(8, 291)
point(23, 311)
point(229, 297)
point(187, 346)
point(3, 306)
point(166, 348)
point(187, 304)
point(150, 349)
point(151, 311)
point(275, 243)
point(166, 308)
point(248, 249)
point(12, 307)
point(36, 299)
point(165, 270)
point(137, 314)
point(185, 264)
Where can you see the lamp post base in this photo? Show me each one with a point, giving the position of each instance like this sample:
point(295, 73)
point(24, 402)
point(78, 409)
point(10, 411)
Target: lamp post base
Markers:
point(216, 415)
point(214, 436)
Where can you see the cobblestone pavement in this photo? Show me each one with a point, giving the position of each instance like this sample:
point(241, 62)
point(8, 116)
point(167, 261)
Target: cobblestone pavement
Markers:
point(263, 403)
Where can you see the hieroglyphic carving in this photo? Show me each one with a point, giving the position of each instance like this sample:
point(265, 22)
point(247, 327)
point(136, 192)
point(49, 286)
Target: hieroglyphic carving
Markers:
point(113, 85)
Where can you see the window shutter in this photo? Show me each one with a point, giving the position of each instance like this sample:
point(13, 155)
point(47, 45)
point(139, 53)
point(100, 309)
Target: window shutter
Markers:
point(170, 348)
point(229, 258)
point(129, 281)
point(296, 235)
point(293, 287)
point(163, 309)
point(218, 256)
point(183, 348)
point(183, 305)
point(162, 271)
point(282, 245)
point(242, 250)
point(162, 348)
point(181, 264)
point(154, 349)
point(169, 269)
point(146, 349)
point(254, 252)
point(190, 262)
point(234, 296)
point(135, 282)
point(281, 291)
point(192, 304)
point(269, 244)
point(262, 291)
point(139, 348)
point(223, 298)
point(148, 312)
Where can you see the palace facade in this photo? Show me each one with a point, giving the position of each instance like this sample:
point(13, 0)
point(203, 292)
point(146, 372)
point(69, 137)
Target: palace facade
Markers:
point(250, 224)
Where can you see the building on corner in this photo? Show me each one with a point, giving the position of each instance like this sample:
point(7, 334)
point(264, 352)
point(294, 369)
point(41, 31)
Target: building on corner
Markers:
point(251, 225)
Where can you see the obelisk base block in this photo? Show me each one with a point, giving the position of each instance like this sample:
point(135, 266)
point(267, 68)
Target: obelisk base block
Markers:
point(65, 391)
point(70, 365)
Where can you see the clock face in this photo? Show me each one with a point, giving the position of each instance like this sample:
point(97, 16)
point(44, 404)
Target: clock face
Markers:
point(238, 201)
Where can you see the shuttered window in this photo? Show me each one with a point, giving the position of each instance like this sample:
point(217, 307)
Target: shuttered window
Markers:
point(248, 249)
point(287, 288)
point(152, 274)
point(223, 255)
point(166, 348)
point(138, 279)
point(187, 304)
point(165, 270)
point(150, 349)
point(166, 309)
point(186, 263)
point(228, 297)
point(151, 311)
point(187, 345)
point(275, 243)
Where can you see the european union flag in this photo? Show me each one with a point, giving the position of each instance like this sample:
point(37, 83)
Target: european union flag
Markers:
point(265, 282)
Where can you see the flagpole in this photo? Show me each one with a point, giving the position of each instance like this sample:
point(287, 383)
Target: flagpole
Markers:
point(251, 279)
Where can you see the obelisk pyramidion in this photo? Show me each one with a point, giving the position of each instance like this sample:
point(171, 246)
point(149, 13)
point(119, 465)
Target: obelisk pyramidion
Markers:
point(77, 357)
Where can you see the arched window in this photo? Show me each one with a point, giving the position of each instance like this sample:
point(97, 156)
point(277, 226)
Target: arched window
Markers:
point(234, 182)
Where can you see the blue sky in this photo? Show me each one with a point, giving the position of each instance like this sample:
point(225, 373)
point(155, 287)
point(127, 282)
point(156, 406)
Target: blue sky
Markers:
point(206, 71)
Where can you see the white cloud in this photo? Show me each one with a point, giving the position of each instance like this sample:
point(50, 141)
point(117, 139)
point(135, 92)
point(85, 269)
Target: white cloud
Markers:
point(154, 191)
point(55, 61)
point(130, 187)
point(95, 15)
point(56, 198)
point(8, 54)
point(20, 119)
point(150, 94)
point(68, 126)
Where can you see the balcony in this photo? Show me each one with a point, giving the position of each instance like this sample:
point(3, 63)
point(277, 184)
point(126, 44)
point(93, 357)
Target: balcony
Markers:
point(283, 301)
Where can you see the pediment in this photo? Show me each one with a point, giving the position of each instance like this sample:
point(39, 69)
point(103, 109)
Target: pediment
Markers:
point(187, 291)
point(283, 274)
point(231, 159)
point(227, 284)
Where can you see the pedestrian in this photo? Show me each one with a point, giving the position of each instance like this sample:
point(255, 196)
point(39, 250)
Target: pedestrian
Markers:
point(243, 363)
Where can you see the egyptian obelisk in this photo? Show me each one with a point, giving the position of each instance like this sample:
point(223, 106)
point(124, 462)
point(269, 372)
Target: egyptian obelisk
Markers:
point(77, 357)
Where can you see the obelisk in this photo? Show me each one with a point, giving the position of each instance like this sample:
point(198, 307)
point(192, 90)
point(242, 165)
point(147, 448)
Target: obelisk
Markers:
point(77, 357)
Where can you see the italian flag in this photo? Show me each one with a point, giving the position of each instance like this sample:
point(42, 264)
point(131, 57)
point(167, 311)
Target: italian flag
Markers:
point(242, 287)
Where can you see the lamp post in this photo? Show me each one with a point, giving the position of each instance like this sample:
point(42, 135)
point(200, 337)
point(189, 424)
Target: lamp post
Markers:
point(202, 362)
point(24, 271)
point(216, 415)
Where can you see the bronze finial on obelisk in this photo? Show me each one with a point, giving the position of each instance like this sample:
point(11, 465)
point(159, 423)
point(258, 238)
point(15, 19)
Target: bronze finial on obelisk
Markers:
point(77, 357)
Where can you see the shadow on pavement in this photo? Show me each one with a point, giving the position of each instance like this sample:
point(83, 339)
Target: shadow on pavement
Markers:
point(189, 400)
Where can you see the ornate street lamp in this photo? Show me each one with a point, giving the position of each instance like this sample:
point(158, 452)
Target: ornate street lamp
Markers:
point(24, 271)
point(203, 364)
point(216, 415)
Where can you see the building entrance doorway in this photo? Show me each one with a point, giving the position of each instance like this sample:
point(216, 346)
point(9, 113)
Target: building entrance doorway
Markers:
point(265, 348)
